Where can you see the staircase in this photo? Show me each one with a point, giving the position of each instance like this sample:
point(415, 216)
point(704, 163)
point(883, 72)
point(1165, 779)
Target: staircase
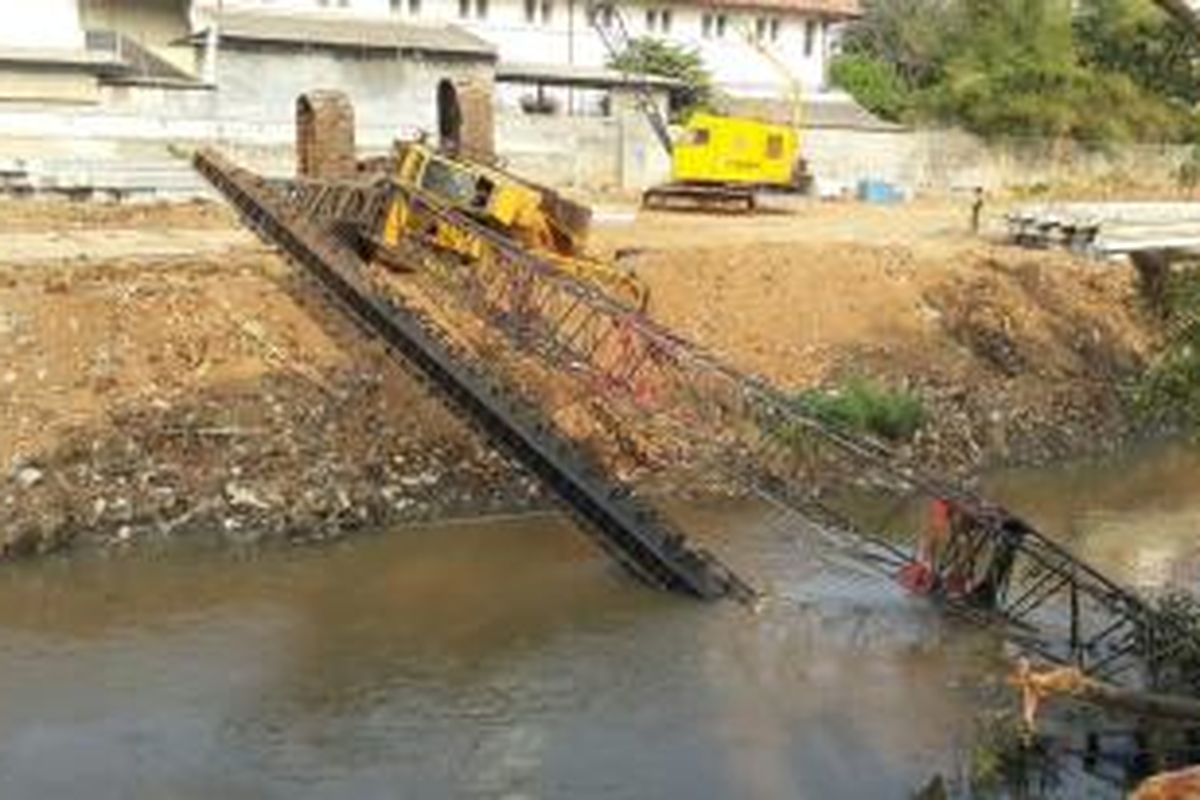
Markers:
point(131, 62)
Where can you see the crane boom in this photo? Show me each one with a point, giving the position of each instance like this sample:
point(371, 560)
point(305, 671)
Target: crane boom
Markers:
point(795, 92)
point(608, 22)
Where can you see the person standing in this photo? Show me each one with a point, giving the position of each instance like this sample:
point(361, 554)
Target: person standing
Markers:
point(976, 209)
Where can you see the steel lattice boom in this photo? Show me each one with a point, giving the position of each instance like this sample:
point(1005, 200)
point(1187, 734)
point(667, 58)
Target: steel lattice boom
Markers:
point(936, 538)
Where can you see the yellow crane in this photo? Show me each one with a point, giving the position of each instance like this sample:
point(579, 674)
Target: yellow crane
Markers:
point(718, 161)
point(533, 217)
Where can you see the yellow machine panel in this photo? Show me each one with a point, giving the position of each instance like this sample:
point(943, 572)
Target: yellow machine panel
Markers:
point(533, 217)
point(735, 150)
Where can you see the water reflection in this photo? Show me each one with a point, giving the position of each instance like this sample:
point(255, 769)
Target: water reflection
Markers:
point(1137, 516)
point(509, 659)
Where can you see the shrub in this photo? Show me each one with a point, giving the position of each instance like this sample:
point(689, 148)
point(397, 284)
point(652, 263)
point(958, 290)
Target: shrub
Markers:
point(1169, 392)
point(866, 407)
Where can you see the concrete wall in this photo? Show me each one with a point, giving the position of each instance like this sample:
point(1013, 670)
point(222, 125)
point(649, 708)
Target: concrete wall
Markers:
point(253, 106)
point(613, 153)
point(391, 95)
point(254, 102)
point(944, 160)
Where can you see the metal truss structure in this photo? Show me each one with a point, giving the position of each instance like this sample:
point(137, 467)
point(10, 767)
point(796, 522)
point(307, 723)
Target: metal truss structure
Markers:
point(973, 556)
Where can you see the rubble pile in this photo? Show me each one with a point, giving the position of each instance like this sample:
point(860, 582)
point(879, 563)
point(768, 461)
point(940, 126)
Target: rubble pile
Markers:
point(284, 459)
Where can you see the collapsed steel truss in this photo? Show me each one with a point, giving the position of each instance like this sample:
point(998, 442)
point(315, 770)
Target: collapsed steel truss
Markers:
point(296, 219)
point(972, 555)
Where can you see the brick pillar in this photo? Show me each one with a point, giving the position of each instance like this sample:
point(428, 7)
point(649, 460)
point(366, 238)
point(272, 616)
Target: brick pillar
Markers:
point(478, 132)
point(325, 136)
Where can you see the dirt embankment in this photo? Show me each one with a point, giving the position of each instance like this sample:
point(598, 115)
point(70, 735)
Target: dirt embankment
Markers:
point(1019, 356)
point(62, 216)
point(145, 398)
point(157, 394)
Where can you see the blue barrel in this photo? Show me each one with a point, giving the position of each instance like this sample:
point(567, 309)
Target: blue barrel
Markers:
point(875, 191)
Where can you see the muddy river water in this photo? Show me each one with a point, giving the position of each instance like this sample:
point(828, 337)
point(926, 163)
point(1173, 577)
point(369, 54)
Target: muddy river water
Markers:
point(508, 659)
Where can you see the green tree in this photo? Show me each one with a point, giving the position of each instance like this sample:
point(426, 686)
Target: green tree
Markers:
point(1012, 70)
point(874, 83)
point(1136, 38)
point(1017, 70)
point(657, 57)
point(909, 35)
point(1107, 71)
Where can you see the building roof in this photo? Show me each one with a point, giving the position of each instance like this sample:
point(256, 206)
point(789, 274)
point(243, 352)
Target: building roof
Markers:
point(336, 31)
point(834, 9)
point(576, 75)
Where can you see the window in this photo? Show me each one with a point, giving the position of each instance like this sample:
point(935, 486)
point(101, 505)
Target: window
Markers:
point(547, 12)
point(721, 22)
point(601, 15)
point(775, 146)
point(414, 8)
point(395, 5)
point(464, 8)
point(706, 26)
point(810, 37)
point(447, 183)
point(530, 10)
point(658, 19)
point(774, 29)
point(760, 28)
point(481, 9)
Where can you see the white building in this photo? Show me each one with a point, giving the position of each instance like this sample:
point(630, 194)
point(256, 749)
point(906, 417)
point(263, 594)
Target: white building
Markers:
point(41, 25)
point(115, 80)
point(752, 47)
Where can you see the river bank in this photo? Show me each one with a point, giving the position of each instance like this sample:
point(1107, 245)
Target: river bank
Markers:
point(167, 376)
point(166, 396)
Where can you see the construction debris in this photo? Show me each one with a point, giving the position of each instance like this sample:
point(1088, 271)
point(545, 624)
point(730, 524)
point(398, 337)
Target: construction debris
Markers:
point(1070, 682)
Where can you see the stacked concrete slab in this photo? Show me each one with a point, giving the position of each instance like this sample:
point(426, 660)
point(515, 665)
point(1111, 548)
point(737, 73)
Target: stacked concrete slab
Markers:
point(1108, 228)
point(145, 178)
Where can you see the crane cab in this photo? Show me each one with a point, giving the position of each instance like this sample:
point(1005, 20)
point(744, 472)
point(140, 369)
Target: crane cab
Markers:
point(735, 150)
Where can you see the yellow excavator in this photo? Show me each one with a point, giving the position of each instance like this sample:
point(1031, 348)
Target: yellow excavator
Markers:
point(534, 218)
